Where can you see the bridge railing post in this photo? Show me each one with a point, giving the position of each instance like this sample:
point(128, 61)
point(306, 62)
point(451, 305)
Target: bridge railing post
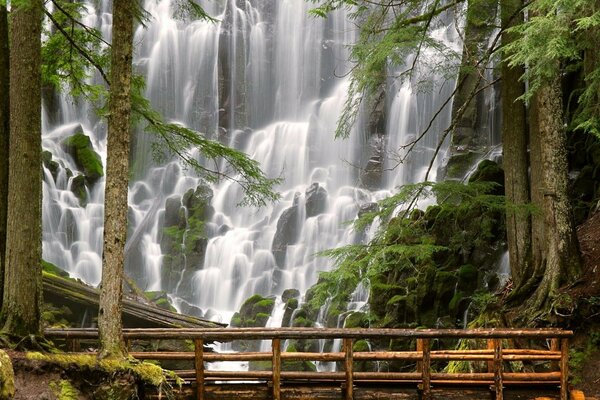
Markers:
point(349, 368)
point(424, 367)
point(498, 369)
point(564, 369)
point(276, 368)
point(199, 365)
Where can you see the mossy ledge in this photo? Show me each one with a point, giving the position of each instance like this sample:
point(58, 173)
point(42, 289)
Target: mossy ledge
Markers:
point(110, 379)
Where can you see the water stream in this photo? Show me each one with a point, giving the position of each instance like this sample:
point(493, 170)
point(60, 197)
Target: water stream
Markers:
point(267, 79)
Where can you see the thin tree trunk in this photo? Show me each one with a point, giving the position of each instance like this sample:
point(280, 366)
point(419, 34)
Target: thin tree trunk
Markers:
point(117, 174)
point(515, 162)
point(4, 135)
point(23, 276)
point(538, 234)
point(563, 261)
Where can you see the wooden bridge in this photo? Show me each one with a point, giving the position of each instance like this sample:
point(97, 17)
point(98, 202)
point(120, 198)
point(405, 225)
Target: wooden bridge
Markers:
point(541, 354)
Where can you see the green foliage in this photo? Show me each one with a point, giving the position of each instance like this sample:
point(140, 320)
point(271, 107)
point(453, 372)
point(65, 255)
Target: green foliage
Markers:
point(409, 244)
point(389, 32)
point(71, 51)
point(555, 39)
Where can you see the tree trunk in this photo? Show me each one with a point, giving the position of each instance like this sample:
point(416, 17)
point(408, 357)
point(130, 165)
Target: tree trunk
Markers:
point(538, 234)
point(23, 275)
point(562, 261)
point(4, 132)
point(117, 174)
point(515, 163)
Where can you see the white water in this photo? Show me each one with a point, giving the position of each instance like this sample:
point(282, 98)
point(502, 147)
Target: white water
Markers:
point(279, 103)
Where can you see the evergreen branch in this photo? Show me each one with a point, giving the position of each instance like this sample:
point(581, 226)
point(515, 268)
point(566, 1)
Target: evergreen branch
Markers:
point(89, 30)
point(81, 51)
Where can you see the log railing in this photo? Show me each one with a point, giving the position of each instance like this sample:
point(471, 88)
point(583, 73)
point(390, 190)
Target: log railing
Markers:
point(495, 355)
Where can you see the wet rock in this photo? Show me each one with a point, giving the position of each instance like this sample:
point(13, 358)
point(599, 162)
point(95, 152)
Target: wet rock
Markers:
point(80, 147)
point(372, 174)
point(290, 294)
point(316, 200)
point(489, 171)
point(288, 230)
point(172, 206)
point(50, 164)
point(78, 187)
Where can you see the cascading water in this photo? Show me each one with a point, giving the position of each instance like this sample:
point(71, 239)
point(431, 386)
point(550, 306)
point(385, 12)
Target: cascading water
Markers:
point(265, 79)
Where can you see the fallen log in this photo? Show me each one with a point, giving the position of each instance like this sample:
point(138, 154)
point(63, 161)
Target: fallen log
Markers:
point(82, 299)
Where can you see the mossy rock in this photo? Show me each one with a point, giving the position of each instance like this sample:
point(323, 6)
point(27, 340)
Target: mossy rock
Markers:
point(289, 294)
point(489, 171)
point(467, 277)
point(78, 187)
point(7, 377)
point(302, 322)
point(459, 164)
point(54, 270)
point(356, 319)
point(81, 149)
point(64, 390)
point(290, 306)
point(160, 299)
point(264, 306)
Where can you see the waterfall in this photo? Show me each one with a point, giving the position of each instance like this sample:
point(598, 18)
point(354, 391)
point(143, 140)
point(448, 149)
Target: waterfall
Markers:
point(264, 79)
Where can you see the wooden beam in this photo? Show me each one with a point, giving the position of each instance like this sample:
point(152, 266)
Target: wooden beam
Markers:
point(276, 366)
point(349, 369)
point(199, 364)
point(498, 369)
point(426, 373)
point(564, 369)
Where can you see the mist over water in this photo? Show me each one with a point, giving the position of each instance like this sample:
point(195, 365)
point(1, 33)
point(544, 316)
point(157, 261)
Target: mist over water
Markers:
point(267, 79)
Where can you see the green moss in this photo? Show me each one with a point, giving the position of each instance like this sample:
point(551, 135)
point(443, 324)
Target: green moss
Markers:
point(149, 373)
point(86, 158)
point(263, 306)
point(53, 269)
point(64, 390)
point(7, 377)
point(261, 319)
point(356, 320)
point(361, 346)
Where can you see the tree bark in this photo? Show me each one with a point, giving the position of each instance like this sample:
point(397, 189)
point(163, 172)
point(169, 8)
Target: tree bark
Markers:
point(4, 135)
point(515, 162)
point(117, 174)
point(562, 257)
point(23, 275)
point(538, 234)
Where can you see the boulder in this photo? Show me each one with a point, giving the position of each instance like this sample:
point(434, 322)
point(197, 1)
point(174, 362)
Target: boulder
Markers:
point(316, 200)
point(80, 147)
point(288, 230)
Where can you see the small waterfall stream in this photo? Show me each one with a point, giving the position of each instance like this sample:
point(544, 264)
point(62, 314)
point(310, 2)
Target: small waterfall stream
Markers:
point(265, 79)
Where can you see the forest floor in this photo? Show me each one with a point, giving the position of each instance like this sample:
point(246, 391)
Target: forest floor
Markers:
point(589, 288)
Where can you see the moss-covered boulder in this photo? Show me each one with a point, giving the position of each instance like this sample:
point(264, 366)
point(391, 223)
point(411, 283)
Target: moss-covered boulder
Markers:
point(7, 377)
point(79, 189)
point(254, 312)
point(489, 171)
point(80, 147)
point(160, 299)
